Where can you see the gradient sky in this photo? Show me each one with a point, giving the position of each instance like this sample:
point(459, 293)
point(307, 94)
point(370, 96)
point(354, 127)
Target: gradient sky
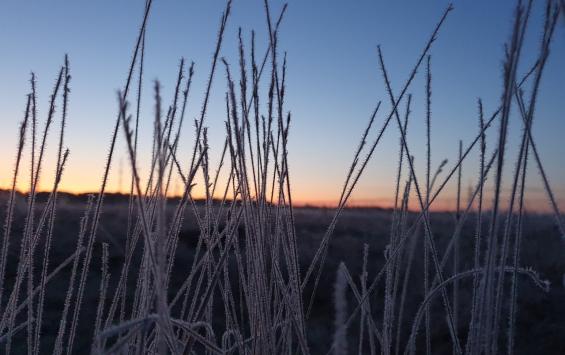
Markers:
point(333, 81)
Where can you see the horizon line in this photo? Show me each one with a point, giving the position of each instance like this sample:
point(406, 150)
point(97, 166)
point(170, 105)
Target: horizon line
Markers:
point(320, 204)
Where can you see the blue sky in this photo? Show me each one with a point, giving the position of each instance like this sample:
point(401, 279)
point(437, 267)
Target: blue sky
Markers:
point(333, 79)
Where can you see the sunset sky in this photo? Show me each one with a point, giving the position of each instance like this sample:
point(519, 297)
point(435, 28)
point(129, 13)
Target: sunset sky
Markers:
point(333, 84)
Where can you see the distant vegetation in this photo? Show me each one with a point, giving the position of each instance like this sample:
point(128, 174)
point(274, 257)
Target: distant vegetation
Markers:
point(245, 272)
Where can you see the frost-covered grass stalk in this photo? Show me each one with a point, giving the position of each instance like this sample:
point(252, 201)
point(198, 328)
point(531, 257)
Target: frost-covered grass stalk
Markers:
point(340, 309)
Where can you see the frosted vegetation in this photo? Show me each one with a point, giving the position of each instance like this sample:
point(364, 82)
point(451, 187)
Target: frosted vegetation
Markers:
point(253, 278)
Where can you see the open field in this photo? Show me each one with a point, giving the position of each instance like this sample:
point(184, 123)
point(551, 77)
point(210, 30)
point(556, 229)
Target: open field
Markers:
point(540, 313)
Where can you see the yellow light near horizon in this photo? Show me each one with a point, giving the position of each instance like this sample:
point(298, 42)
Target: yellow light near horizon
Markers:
point(80, 179)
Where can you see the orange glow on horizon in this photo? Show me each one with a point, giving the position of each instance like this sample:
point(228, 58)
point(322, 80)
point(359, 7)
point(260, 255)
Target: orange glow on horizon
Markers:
point(443, 204)
point(80, 179)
